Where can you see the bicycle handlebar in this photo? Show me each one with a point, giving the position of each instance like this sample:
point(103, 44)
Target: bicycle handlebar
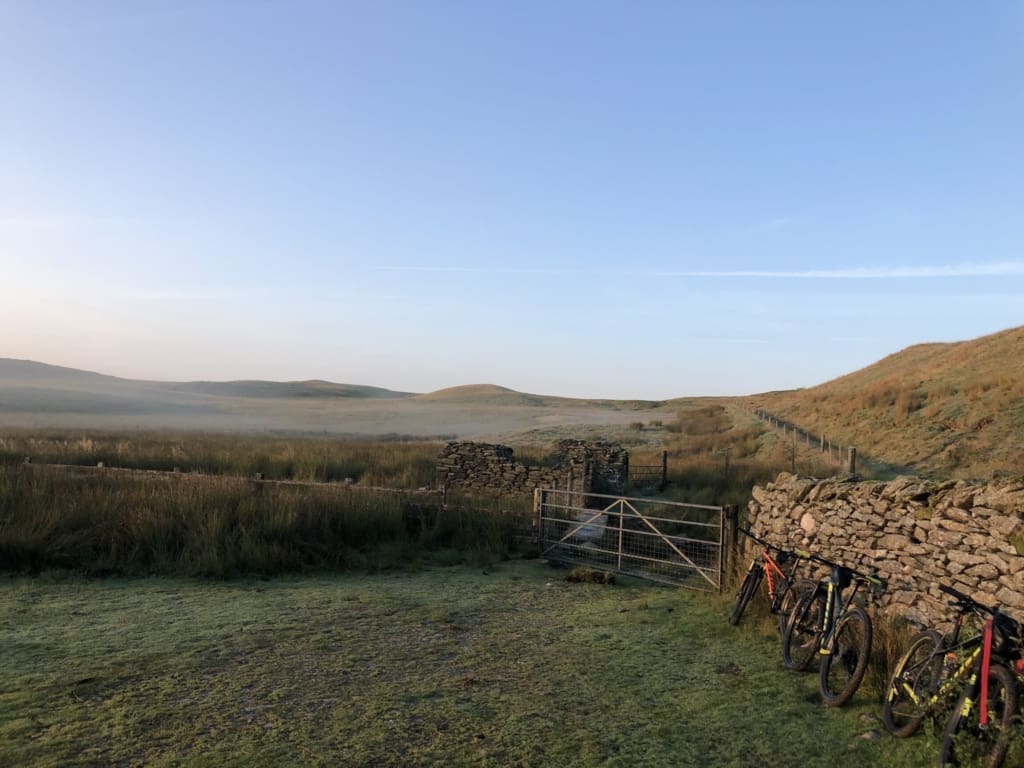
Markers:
point(746, 532)
point(965, 602)
point(868, 578)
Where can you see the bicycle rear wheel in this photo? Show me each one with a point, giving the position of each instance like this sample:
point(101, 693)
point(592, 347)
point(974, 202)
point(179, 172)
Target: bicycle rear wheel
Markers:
point(915, 680)
point(965, 742)
point(794, 591)
point(843, 668)
point(803, 631)
point(750, 584)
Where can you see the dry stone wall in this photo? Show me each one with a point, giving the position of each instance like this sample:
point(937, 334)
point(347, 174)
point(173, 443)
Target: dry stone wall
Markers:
point(584, 466)
point(917, 533)
point(607, 464)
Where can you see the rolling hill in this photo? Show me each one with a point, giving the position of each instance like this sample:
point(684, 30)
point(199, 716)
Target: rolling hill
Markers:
point(951, 409)
point(36, 395)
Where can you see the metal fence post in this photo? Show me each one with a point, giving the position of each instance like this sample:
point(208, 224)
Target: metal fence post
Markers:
point(538, 506)
point(621, 515)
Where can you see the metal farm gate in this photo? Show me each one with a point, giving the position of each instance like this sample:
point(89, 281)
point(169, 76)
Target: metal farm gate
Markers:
point(662, 541)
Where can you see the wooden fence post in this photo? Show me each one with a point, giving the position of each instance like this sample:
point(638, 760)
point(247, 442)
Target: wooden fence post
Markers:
point(853, 460)
point(664, 470)
point(730, 534)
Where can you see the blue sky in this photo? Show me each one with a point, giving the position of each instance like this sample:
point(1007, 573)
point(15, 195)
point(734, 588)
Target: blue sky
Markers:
point(594, 198)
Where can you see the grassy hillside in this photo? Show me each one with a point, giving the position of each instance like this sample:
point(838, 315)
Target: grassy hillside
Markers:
point(952, 410)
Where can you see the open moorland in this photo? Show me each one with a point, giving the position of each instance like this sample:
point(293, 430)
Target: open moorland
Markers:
point(264, 622)
point(946, 410)
point(34, 396)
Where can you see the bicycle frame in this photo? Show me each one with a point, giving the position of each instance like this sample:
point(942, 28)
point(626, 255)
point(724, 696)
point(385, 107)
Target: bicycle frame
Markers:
point(773, 572)
point(977, 684)
point(834, 608)
point(839, 579)
point(968, 664)
point(974, 666)
point(773, 575)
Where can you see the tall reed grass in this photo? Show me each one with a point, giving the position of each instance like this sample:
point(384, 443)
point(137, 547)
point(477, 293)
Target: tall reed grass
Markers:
point(180, 524)
point(386, 463)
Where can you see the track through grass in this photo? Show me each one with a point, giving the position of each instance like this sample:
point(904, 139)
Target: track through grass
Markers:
point(444, 667)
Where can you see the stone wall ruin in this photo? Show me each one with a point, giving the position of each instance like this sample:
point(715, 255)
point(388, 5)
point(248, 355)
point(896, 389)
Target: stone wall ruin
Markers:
point(583, 466)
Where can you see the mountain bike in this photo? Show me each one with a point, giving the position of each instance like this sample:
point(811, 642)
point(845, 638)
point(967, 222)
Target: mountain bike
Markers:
point(825, 624)
point(932, 667)
point(777, 572)
point(933, 670)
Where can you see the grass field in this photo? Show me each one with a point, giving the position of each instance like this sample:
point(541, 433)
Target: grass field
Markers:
point(442, 667)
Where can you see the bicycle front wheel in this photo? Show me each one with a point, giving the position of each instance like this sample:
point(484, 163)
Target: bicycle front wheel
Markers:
point(803, 631)
point(965, 741)
point(750, 584)
point(844, 666)
point(915, 680)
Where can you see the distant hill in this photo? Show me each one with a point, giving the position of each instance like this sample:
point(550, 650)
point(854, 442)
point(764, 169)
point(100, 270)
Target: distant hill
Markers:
point(311, 388)
point(12, 371)
point(952, 409)
point(39, 396)
point(483, 394)
point(28, 372)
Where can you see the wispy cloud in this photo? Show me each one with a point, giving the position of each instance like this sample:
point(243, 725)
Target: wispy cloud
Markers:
point(477, 270)
point(969, 269)
point(966, 269)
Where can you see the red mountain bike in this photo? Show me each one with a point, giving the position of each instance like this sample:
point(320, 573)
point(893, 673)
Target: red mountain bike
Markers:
point(778, 573)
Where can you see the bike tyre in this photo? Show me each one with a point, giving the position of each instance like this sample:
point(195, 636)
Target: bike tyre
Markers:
point(920, 667)
point(750, 584)
point(963, 734)
point(796, 589)
point(803, 631)
point(843, 669)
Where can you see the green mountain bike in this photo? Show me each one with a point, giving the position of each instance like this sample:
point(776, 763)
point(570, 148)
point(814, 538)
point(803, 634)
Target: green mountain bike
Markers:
point(826, 625)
